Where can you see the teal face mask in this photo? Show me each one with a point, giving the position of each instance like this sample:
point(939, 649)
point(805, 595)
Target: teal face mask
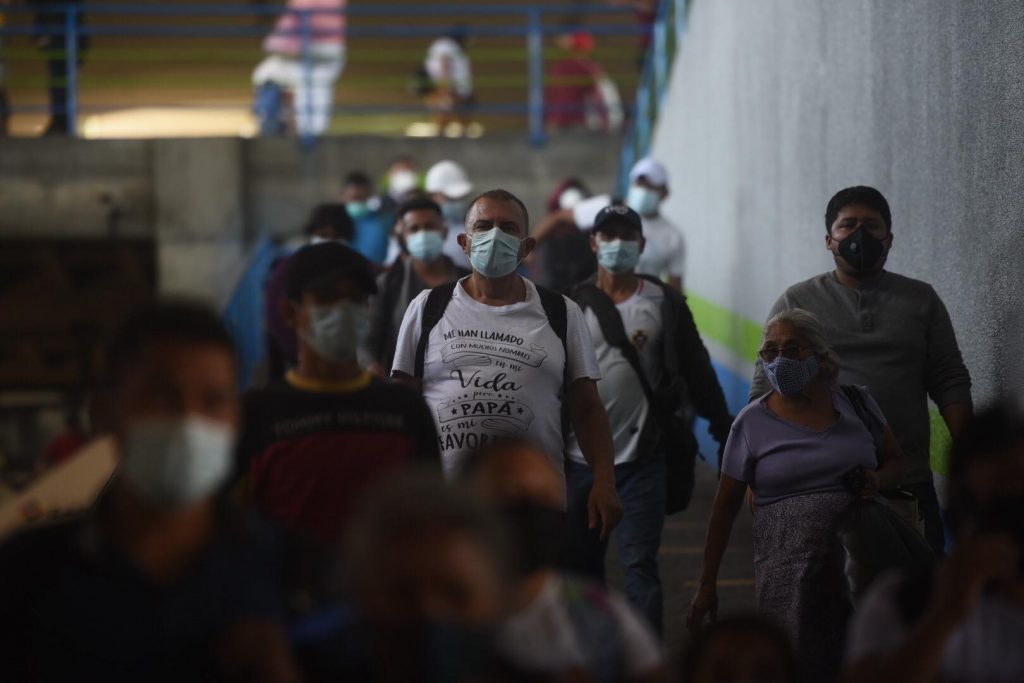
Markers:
point(494, 253)
point(425, 245)
point(357, 209)
point(643, 200)
point(618, 256)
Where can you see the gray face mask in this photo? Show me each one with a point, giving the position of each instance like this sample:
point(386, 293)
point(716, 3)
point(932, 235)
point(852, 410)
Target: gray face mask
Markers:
point(171, 462)
point(337, 331)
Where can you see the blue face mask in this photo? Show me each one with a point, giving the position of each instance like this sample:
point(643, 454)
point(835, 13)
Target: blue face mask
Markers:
point(643, 200)
point(425, 245)
point(618, 256)
point(357, 209)
point(494, 253)
point(789, 376)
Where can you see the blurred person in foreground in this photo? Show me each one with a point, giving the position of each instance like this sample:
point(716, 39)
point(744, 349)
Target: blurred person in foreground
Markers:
point(329, 222)
point(795, 446)
point(314, 441)
point(427, 575)
point(373, 223)
point(164, 580)
point(561, 626)
point(964, 622)
point(494, 355)
point(422, 265)
point(665, 255)
point(893, 334)
point(450, 96)
point(449, 186)
point(654, 368)
point(284, 70)
point(739, 649)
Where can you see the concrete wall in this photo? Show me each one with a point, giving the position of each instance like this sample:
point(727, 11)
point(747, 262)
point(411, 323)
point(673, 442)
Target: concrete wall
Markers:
point(208, 200)
point(773, 106)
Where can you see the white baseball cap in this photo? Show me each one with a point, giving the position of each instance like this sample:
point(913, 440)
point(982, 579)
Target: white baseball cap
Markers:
point(653, 170)
point(448, 178)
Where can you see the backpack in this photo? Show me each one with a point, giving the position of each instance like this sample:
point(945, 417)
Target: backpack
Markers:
point(676, 437)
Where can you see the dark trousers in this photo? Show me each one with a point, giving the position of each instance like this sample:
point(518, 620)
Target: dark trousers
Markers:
point(641, 486)
point(57, 70)
point(928, 506)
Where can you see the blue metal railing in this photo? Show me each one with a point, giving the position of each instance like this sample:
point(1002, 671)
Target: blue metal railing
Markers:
point(666, 36)
point(533, 22)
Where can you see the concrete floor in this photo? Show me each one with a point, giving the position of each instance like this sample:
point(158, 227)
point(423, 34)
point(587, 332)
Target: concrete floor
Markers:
point(682, 552)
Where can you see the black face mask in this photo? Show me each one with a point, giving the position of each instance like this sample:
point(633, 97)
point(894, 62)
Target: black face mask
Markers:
point(862, 250)
point(539, 534)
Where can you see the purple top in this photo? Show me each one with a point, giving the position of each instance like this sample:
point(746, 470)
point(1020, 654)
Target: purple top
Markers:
point(780, 459)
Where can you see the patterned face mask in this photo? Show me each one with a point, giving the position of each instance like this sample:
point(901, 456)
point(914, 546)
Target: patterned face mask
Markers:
point(789, 376)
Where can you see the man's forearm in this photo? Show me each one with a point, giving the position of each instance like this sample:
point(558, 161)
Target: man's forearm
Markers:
point(594, 434)
point(956, 416)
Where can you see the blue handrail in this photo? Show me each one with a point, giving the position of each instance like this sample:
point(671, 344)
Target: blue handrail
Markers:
point(653, 83)
point(532, 27)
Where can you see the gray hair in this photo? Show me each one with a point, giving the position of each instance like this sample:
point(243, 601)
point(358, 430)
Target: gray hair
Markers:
point(810, 330)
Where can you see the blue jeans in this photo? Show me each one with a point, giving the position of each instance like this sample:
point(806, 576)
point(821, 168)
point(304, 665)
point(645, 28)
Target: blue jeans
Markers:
point(641, 486)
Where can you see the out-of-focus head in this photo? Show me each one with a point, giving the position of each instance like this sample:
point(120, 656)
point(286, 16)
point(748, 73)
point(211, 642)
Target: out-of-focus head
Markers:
point(739, 650)
point(421, 551)
point(421, 229)
point(567, 194)
point(402, 177)
point(581, 43)
point(986, 475)
point(448, 185)
point(173, 378)
point(329, 222)
point(328, 287)
point(617, 238)
point(460, 33)
point(648, 186)
point(520, 480)
point(357, 193)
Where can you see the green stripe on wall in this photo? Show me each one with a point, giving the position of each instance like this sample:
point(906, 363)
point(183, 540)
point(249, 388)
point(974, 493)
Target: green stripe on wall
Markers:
point(739, 335)
point(743, 337)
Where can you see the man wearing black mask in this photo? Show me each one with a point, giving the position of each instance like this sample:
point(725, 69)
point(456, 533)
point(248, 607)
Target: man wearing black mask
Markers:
point(891, 333)
point(560, 627)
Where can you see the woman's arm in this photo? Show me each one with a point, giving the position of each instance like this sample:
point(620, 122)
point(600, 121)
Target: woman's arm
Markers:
point(728, 500)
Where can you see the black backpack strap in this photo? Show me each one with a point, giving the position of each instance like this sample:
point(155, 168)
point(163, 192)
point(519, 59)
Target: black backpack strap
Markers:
point(394, 276)
point(614, 331)
point(856, 397)
point(553, 304)
point(433, 311)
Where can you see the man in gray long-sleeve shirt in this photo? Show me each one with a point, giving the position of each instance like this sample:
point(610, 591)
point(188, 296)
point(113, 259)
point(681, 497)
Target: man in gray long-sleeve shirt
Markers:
point(892, 334)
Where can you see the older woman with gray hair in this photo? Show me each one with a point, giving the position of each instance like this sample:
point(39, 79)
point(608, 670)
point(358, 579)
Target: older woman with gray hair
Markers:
point(794, 447)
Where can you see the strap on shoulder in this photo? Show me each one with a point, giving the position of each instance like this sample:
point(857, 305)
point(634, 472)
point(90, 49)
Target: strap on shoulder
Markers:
point(433, 311)
point(558, 317)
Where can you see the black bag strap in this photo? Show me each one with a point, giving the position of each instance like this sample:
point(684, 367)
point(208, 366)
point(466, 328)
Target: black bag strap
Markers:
point(554, 307)
point(433, 311)
point(614, 331)
point(393, 278)
point(860, 406)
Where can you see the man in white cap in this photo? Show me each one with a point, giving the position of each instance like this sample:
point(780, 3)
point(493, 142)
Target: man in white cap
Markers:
point(666, 251)
point(449, 186)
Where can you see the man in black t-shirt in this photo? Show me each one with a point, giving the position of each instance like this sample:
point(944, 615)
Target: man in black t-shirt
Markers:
point(316, 440)
point(164, 580)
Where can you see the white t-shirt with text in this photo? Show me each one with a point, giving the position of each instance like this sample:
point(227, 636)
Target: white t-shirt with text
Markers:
point(620, 389)
point(665, 252)
point(492, 372)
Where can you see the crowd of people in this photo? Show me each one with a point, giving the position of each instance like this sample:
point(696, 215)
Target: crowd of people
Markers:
point(423, 485)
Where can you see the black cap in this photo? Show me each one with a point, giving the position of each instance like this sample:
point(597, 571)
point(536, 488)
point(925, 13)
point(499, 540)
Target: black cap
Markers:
point(313, 264)
point(618, 214)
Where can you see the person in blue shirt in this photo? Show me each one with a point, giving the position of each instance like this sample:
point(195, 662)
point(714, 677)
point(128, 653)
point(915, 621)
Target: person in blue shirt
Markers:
point(373, 223)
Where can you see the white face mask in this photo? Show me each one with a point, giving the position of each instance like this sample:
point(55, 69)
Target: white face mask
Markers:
point(643, 200)
point(570, 198)
point(337, 331)
point(171, 462)
point(401, 182)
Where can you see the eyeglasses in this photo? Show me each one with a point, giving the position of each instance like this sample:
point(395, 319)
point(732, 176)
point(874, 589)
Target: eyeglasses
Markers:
point(790, 351)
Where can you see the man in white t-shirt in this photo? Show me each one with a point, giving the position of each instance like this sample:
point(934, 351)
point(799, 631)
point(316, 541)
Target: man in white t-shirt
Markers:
point(665, 253)
point(560, 626)
point(627, 314)
point(501, 357)
point(448, 67)
point(966, 622)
